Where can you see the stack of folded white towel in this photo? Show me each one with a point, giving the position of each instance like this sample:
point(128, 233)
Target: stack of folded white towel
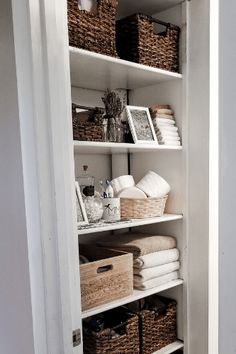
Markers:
point(164, 124)
point(155, 269)
point(156, 258)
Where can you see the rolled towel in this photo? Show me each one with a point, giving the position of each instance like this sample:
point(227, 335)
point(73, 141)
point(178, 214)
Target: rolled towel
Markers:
point(153, 185)
point(152, 283)
point(164, 121)
point(140, 244)
point(121, 183)
point(156, 258)
point(132, 192)
point(154, 272)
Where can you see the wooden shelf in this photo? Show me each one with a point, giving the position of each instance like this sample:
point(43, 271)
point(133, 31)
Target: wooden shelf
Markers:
point(91, 147)
point(171, 348)
point(137, 295)
point(101, 227)
point(96, 71)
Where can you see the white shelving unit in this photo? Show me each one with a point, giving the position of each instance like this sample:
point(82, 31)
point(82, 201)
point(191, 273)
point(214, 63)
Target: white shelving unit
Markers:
point(111, 72)
point(88, 147)
point(171, 348)
point(102, 227)
point(91, 74)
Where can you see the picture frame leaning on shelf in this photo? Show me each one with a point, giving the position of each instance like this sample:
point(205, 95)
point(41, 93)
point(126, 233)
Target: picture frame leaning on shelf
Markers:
point(141, 126)
point(82, 218)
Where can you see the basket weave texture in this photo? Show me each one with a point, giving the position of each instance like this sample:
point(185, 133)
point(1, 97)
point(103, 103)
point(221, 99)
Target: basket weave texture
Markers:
point(86, 131)
point(102, 343)
point(108, 277)
point(158, 331)
point(138, 42)
point(93, 31)
point(142, 208)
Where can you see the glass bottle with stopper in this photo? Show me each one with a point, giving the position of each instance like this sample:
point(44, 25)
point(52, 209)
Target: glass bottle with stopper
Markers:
point(86, 183)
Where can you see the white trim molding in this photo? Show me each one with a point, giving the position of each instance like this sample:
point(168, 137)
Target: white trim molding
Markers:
point(42, 67)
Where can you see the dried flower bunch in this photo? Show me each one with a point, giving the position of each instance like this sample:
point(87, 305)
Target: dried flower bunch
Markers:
point(113, 104)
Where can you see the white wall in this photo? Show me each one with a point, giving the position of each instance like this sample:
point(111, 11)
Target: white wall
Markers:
point(16, 328)
point(227, 176)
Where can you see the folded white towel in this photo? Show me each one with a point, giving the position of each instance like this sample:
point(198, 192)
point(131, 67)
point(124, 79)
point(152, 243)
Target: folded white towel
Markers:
point(154, 185)
point(166, 127)
point(143, 275)
point(167, 133)
point(164, 121)
point(170, 143)
point(169, 138)
point(156, 258)
point(152, 283)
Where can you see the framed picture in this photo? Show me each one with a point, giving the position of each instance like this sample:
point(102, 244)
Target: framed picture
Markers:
point(141, 126)
point(81, 212)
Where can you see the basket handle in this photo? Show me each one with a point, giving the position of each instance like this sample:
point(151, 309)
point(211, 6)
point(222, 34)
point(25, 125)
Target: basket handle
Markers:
point(152, 19)
point(104, 269)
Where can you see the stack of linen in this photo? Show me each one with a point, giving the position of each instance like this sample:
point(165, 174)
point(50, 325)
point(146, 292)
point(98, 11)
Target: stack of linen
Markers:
point(164, 124)
point(156, 258)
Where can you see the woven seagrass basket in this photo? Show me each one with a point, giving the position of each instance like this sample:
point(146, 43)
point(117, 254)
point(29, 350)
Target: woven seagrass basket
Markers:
point(93, 31)
point(107, 277)
point(138, 42)
point(91, 130)
point(142, 208)
point(158, 330)
point(102, 342)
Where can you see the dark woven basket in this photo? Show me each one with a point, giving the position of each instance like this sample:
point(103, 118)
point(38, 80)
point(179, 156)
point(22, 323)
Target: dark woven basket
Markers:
point(102, 343)
point(138, 42)
point(158, 330)
point(93, 31)
point(86, 131)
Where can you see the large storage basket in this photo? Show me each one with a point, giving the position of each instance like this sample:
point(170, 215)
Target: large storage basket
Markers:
point(93, 31)
point(158, 330)
point(102, 342)
point(108, 277)
point(86, 131)
point(138, 42)
point(142, 208)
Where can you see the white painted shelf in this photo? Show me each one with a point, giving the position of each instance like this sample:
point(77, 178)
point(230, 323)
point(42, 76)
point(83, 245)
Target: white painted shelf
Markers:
point(171, 348)
point(103, 226)
point(137, 295)
point(96, 71)
point(91, 147)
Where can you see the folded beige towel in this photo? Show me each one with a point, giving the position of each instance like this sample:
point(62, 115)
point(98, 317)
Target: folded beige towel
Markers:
point(152, 283)
point(143, 275)
point(140, 244)
point(163, 116)
point(156, 259)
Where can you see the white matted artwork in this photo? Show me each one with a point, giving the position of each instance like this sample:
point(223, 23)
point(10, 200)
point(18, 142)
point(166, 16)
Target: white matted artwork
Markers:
point(141, 125)
point(82, 218)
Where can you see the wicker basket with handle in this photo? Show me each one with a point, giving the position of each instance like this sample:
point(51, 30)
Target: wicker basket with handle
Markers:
point(93, 31)
point(142, 208)
point(158, 330)
point(138, 42)
point(108, 277)
point(127, 342)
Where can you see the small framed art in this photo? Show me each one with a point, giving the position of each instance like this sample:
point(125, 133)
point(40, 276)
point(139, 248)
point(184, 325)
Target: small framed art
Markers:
point(141, 126)
point(82, 218)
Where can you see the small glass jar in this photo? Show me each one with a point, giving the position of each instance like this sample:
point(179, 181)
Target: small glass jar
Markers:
point(86, 183)
point(94, 208)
